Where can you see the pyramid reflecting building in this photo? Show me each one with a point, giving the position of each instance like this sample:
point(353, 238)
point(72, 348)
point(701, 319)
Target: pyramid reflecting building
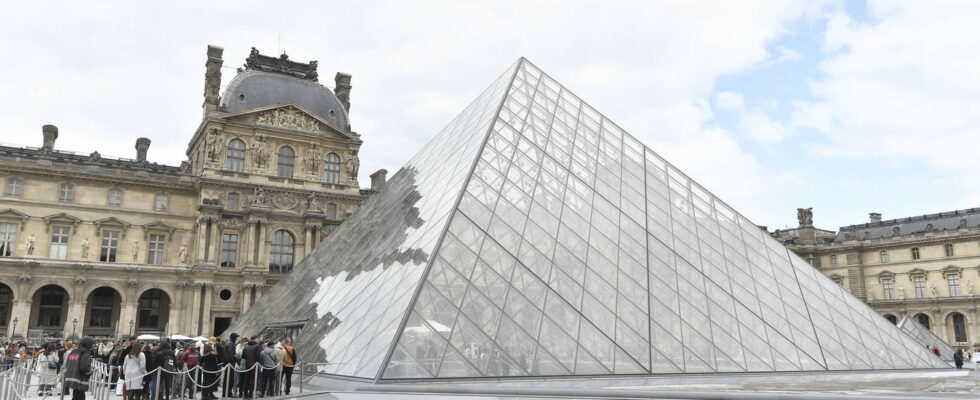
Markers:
point(925, 337)
point(534, 237)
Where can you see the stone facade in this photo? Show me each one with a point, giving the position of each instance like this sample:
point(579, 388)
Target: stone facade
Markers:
point(927, 267)
point(107, 247)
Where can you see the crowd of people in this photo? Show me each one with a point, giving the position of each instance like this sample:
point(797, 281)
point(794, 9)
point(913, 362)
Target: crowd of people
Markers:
point(185, 367)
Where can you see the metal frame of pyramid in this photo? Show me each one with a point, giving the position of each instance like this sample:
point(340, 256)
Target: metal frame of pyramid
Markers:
point(925, 337)
point(534, 237)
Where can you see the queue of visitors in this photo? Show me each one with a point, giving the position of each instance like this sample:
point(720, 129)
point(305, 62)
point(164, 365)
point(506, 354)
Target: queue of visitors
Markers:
point(134, 363)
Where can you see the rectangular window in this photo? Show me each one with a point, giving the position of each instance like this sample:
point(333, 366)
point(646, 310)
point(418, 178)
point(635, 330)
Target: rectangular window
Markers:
point(59, 242)
point(115, 198)
point(954, 284)
point(915, 253)
point(833, 261)
point(949, 249)
point(8, 239)
point(232, 202)
point(15, 187)
point(110, 246)
point(920, 286)
point(160, 202)
point(229, 250)
point(884, 256)
point(154, 250)
point(887, 285)
point(66, 193)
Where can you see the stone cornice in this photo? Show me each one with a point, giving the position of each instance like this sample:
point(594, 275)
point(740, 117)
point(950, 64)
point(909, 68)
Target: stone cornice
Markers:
point(76, 175)
point(93, 208)
point(890, 243)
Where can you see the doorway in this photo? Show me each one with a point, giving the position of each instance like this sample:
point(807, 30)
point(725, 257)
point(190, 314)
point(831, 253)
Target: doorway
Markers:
point(220, 325)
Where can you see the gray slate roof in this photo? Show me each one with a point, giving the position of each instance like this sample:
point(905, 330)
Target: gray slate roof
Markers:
point(255, 89)
point(949, 220)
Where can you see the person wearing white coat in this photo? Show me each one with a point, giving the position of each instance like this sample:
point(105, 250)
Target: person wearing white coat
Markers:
point(134, 367)
point(47, 369)
point(976, 360)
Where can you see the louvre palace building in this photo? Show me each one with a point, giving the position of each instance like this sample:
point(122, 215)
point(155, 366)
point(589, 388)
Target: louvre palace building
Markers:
point(924, 267)
point(100, 246)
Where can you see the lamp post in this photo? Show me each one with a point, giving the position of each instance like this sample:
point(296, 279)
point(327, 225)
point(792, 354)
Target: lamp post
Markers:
point(14, 330)
point(74, 323)
point(130, 327)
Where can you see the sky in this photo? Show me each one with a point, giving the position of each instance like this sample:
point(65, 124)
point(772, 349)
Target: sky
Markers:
point(848, 107)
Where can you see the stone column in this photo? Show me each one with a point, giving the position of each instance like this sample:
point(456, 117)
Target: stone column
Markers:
point(308, 236)
point(202, 233)
point(206, 319)
point(246, 298)
point(195, 310)
point(250, 244)
point(261, 260)
point(215, 244)
point(76, 311)
point(126, 314)
point(21, 310)
point(175, 325)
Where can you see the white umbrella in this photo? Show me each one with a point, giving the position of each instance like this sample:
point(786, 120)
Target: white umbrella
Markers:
point(180, 337)
point(147, 337)
point(199, 339)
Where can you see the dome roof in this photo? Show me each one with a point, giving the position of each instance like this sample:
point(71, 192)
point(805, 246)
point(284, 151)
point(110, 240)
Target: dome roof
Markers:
point(254, 89)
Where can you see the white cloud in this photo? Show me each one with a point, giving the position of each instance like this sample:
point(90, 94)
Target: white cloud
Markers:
point(761, 127)
point(903, 89)
point(108, 73)
point(729, 100)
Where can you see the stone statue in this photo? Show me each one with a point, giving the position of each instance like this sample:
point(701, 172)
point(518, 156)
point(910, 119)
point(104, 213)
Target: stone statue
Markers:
point(260, 155)
point(31, 244)
point(352, 165)
point(136, 250)
point(932, 290)
point(182, 254)
point(259, 196)
point(901, 293)
point(969, 288)
point(85, 247)
point(313, 162)
point(311, 202)
point(212, 149)
point(95, 156)
point(871, 296)
point(805, 216)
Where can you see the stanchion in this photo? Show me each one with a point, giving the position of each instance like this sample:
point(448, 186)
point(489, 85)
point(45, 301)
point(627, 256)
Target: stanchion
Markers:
point(300, 369)
point(255, 382)
point(156, 390)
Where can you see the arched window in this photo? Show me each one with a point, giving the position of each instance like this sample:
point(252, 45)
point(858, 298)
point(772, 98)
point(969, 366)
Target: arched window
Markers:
point(331, 211)
point(891, 318)
point(232, 204)
point(6, 300)
point(287, 159)
point(115, 198)
point(66, 193)
point(281, 253)
point(331, 169)
point(959, 327)
point(235, 161)
point(154, 306)
point(923, 319)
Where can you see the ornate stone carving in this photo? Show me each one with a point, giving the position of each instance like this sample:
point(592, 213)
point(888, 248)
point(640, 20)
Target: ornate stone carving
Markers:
point(353, 164)
point(312, 161)
point(259, 196)
point(212, 148)
point(136, 251)
point(281, 65)
point(312, 202)
point(95, 156)
point(805, 216)
point(85, 247)
point(289, 118)
point(182, 254)
point(260, 153)
point(31, 244)
point(285, 202)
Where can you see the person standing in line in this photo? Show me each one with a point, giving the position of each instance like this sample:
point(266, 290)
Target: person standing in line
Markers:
point(228, 389)
point(47, 369)
point(976, 360)
point(288, 364)
point(164, 359)
point(134, 367)
point(280, 356)
point(78, 367)
point(958, 359)
point(209, 366)
point(268, 361)
point(250, 357)
point(190, 359)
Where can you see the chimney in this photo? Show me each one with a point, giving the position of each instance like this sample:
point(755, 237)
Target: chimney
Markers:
point(212, 78)
point(142, 145)
point(378, 179)
point(50, 133)
point(342, 89)
point(875, 217)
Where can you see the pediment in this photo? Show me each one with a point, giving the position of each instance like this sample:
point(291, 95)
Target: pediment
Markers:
point(950, 269)
point(62, 219)
point(112, 222)
point(885, 275)
point(917, 271)
point(158, 227)
point(10, 213)
point(291, 117)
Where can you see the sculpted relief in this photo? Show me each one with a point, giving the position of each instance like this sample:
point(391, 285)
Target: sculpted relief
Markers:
point(289, 118)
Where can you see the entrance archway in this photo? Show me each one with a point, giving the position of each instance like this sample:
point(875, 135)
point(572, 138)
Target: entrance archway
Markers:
point(153, 311)
point(6, 304)
point(49, 310)
point(102, 312)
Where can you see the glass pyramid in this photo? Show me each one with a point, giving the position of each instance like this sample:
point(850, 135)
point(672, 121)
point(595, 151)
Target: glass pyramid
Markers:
point(925, 337)
point(534, 237)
